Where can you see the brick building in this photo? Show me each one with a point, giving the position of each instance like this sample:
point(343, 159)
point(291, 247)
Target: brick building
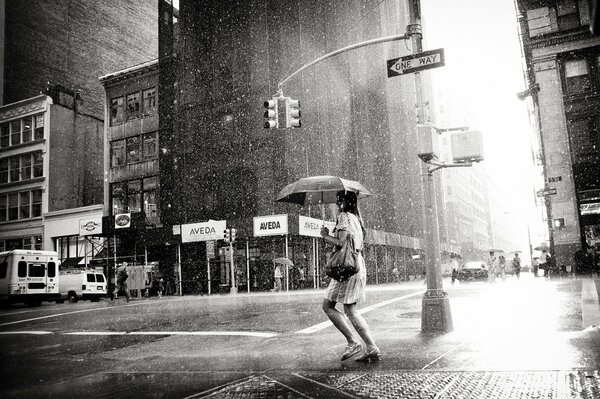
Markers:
point(563, 70)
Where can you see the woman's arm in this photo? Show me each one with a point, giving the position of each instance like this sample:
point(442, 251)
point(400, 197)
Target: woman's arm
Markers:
point(338, 240)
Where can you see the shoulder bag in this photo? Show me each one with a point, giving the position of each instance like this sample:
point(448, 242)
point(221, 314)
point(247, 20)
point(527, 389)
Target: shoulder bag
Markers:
point(343, 263)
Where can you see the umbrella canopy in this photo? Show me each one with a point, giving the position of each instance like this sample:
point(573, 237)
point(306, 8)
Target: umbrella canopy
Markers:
point(316, 190)
point(541, 247)
point(513, 253)
point(283, 261)
point(497, 251)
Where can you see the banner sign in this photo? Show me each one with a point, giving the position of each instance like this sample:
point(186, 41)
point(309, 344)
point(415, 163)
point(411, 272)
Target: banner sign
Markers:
point(271, 225)
point(123, 221)
point(91, 226)
point(311, 227)
point(207, 231)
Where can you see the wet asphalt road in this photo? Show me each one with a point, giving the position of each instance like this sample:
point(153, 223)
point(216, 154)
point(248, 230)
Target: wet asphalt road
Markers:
point(188, 346)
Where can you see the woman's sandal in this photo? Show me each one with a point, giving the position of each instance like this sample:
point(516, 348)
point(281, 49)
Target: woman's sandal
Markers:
point(369, 357)
point(351, 350)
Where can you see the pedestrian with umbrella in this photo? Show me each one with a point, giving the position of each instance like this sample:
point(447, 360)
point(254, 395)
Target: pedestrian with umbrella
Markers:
point(345, 193)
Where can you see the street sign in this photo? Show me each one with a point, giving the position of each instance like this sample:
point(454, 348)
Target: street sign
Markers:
point(415, 62)
point(548, 191)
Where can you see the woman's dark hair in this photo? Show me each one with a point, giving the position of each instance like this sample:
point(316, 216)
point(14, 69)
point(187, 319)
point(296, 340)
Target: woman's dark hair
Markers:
point(351, 201)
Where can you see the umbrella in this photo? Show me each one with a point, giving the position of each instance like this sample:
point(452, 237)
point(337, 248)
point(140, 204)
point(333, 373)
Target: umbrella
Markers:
point(513, 253)
point(496, 250)
point(319, 190)
point(315, 190)
point(283, 261)
point(541, 247)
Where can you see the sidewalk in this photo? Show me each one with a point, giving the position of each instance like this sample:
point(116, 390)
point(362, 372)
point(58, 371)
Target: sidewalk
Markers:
point(504, 353)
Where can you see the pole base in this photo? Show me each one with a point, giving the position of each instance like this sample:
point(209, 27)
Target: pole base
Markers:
point(233, 290)
point(436, 315)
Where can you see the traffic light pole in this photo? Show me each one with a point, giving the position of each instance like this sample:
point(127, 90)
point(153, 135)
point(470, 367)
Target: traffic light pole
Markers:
point(233, 289)
point(436, 315)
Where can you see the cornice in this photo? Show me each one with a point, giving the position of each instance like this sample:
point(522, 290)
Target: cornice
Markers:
point(10, 111)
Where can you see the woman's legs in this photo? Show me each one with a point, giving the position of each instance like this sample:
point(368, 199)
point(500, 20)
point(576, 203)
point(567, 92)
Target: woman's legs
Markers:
point(360, 325)
point(339, 320)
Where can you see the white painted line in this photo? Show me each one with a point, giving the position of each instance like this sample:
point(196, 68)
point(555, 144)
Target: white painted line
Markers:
point(68, 313)
point(192, 333)
point(590, 305)
point(347, 394)
point(287, 386)
point(325, 324)
point(189, 333)
point(441, 356)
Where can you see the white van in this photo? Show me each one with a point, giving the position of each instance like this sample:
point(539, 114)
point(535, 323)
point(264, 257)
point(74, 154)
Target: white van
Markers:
point(76, 284)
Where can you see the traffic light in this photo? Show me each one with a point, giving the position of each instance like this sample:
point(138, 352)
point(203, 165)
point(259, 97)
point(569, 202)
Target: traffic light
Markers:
point(292, 113)
point(233, 232)
point(226, 235)
point(271, 119)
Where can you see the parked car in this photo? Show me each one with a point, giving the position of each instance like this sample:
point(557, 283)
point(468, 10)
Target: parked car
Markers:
point(472, 271)
point(76, 284)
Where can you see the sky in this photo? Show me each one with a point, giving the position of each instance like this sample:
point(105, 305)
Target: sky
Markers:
point(484, 69)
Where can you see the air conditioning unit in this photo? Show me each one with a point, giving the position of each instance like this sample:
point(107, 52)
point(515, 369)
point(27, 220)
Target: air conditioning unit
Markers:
point(467, 146)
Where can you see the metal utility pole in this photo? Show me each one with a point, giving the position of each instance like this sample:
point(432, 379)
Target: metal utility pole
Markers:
point(436, 315)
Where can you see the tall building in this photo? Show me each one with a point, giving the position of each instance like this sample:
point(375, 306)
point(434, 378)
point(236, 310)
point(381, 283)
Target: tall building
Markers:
point(563, 62)
point(219, 61)
point(58, 50)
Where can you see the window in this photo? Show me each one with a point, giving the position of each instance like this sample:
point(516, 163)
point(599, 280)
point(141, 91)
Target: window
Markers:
point(118, 198)
point(22, 269)
point(150, 146)
point(134, 196)
point(150, 199)
point(51, 269)
point(117, 153)
point(149, 98)
point(577, 77)
point(36, 205)
point(3, 269)
point(585, 142)
point(133, 105)
point(3, 170)
point(117, 111)
point(15, 132)
point(4, 135)
point(38, 133)
point(566, 14)
point(3, 208)
point(99, 278)
point(37, 242)
point(134, 149)
point(90, 278)
point(27, 130)
point(26, 166)
point(24, 202)
point(14, 168)
point(38, 164)
point(37, 270)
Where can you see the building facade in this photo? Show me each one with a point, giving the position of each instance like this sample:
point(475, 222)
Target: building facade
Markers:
point(32, 133)
point(563, 62)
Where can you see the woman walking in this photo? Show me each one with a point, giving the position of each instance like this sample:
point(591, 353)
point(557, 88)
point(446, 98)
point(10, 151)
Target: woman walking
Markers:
point(351, 291)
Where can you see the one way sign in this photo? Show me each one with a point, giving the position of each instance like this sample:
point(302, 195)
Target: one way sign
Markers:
point(416, 62)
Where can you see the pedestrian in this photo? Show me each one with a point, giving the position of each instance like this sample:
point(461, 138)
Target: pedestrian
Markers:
point(492, 267)
point(160, 287)
point(454, 265)
point(278, 275)
point(516, 264)
point(351, 291)
point(544, 261)
point(122, 277)
point(502, 267)
point(535, 266)
point(301, 277)
point(396, 274)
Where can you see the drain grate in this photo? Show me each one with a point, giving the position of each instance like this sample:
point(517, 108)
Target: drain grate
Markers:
point(425, 385)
